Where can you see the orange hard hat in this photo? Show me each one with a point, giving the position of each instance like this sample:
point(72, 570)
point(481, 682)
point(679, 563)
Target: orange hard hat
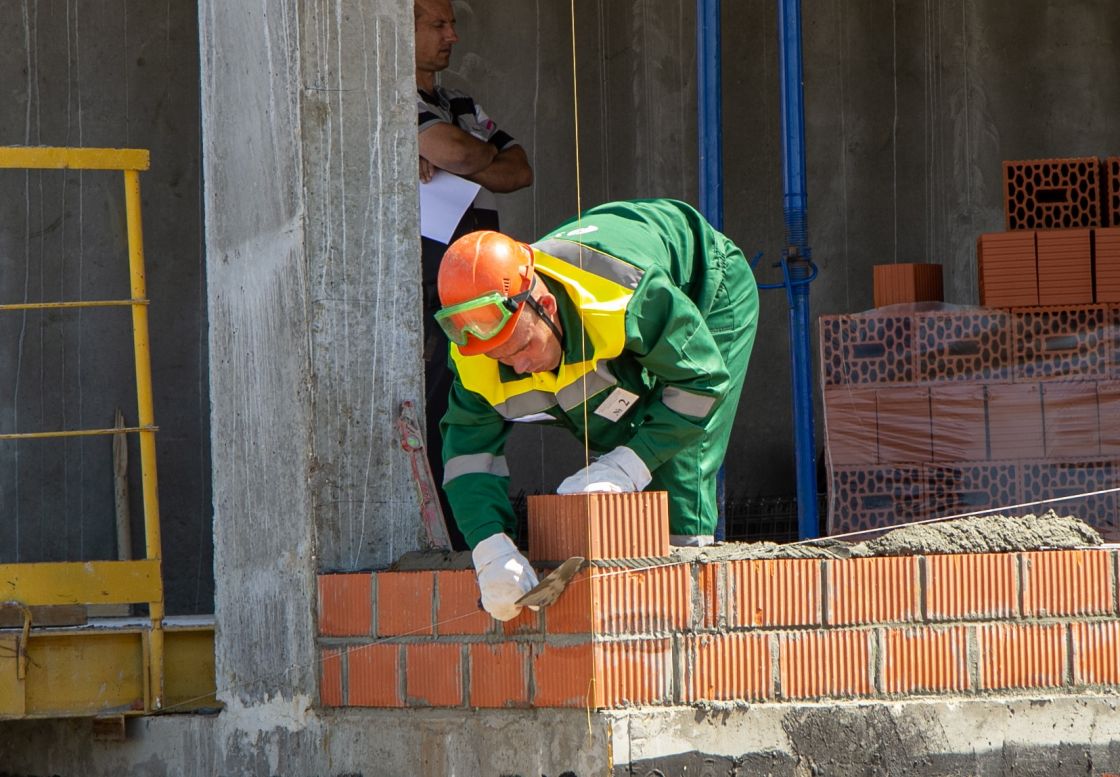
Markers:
point(482, 264)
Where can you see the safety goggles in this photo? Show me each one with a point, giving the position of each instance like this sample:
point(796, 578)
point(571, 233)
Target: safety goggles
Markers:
point(482, 317)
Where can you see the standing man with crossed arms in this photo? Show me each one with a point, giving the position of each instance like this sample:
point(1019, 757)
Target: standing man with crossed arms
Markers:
point(457, 136)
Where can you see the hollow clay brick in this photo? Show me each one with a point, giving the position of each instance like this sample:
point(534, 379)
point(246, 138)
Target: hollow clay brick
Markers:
point(330, 677)
point(1067, 582)
point(872, 590)
point(1015, 421)
point(1048, 480)
point(866, 499)
point(599, 526)
point(726, 667)
point(965, 487)
point(1065, 267)
point(374, 675)
point(434, 674)
point(1007, 269)
point(1052, 193)
point(1111, 169)
point(904, 425)
point(868, 348)
point(772, 592)
point(851, 428)
point(499, 674)
point(345, 604)
point(970, 586)
point(1108, 408)
point(962, 345)
point(1096, 652)
point(1070, 419)
point(1061, 343)
point(817, 664)
point(457, 604)
point(1022, 655)
point(924, 659)
point(958, 419)
point(404, 603)
point(895, 284)
point(612, 601)
point(1106, 264)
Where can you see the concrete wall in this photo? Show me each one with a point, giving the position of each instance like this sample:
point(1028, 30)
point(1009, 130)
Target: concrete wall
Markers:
point(83, 74)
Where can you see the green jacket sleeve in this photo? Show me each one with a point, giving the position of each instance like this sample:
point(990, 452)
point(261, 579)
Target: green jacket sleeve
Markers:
point(476, 475)
point(669, 338)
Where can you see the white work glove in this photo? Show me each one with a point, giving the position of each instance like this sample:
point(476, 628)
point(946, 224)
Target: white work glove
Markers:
point(504, 576)
point(619, 472)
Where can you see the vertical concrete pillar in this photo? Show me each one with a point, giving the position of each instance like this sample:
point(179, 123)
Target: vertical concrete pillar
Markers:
point(309, 159)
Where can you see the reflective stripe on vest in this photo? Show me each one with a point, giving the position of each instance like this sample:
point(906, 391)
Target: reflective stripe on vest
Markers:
point(600, 290)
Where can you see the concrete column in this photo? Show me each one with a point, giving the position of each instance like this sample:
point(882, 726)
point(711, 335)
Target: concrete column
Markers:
point(309, 160)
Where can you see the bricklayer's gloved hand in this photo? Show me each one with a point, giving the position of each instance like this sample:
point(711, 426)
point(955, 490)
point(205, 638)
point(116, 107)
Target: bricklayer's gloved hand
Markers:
point(619, 472)
point(504, 576)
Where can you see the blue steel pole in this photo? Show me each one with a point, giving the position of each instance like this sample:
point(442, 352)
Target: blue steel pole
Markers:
point(710, 133)
point(798, 261)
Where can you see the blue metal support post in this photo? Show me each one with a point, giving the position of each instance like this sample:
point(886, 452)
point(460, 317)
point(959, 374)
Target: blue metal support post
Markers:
point(799, 267)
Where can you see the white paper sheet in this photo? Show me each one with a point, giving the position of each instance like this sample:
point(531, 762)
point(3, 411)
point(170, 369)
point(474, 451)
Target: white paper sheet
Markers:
point(443, 201)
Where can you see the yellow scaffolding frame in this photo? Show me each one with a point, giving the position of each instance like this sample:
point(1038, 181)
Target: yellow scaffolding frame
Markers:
point(103, 582)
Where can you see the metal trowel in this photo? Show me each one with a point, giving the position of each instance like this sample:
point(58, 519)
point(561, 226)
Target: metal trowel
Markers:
point(548, 590)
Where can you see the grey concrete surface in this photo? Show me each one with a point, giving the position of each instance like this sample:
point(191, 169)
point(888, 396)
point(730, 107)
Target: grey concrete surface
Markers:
point(310, 159)
point(1009, 736)
point(82, 73)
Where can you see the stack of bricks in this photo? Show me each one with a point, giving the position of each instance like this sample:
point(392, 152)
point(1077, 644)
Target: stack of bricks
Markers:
point(640, 629)
point(1062, 240)
point(938, 413)
point(930, 414)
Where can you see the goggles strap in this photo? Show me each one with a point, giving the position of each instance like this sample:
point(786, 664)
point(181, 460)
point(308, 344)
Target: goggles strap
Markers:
point(543, 316)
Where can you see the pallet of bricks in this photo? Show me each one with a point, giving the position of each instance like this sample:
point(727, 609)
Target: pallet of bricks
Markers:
point(935, 410)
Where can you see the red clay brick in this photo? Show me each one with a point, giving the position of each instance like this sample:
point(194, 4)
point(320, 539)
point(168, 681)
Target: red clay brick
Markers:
point(966, 487)
point(726, 667)
point(346, 605)
point(457, 604)
point(1007, 269)
point(1060, 342)
point(1096, 653)
point(1108, 406)
point(866, 348)
point(599, 526)
point(1067, 582)
point(614, 601)
point(528, 622)
point(404, 603)
point(864, 499)
point(712, 594)
point(1069, 416)
point(634, 672)
point(499, 674)
point(962, 345)
point(563, 676)
point(923, 660)
point(774, 592)
point(851, 426)
point(1015, 420)
point(1021, 655)
point(872, 590)
point(1106, 256)
point(1052, 193)
point(374, 676)
point(818, 664)
point(894, 284)
point(972, 585)
point(330, 677)
point(958, 423)
point(1065, 267)
point(904, 425)
point(434, 674)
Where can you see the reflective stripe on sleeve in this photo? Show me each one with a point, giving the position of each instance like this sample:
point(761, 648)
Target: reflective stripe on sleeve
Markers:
point(686, 403)
point(474, 464)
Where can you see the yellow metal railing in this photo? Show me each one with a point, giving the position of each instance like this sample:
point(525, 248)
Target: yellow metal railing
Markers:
point(105, 582)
